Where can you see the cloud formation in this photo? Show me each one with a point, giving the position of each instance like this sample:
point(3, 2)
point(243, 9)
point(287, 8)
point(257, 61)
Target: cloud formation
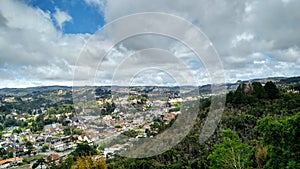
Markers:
point(33, 51)
point(253, 38)
point(243, 32)
point(61, 17)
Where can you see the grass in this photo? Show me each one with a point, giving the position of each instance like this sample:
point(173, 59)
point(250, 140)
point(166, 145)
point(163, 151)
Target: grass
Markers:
point(30, 159)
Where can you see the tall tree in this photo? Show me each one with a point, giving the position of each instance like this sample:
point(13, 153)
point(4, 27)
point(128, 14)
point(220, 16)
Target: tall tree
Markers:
point(271, 90)
point(258, 90)
point(231, 153)
point(282, 137)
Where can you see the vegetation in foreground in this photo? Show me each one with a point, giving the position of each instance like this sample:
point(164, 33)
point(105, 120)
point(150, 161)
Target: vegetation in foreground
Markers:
point(259, 129)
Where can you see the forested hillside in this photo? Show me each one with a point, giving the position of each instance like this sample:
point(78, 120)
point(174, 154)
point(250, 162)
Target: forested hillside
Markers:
point(259, 129)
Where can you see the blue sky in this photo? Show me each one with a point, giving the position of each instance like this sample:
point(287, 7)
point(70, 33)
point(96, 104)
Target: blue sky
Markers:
point(85, 18)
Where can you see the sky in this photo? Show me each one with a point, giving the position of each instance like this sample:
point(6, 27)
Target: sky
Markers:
point(47, 42)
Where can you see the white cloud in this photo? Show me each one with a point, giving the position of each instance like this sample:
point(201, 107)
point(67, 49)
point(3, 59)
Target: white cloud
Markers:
point(98, 3)
point(245, 34)
point(288, 55)
point(239, 29)
point(33, 51)
point(61, 17)
point(242, 37)
point(20, 16)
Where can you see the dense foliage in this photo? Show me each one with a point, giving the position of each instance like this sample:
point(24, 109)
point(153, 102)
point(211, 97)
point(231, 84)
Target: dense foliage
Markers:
point(282, 138)
point(260, 127)
point(231, 153)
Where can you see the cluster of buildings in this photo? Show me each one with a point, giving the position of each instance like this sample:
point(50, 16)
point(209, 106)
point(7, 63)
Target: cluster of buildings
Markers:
point(103, 129)
point(52, 141)
point(26, 143)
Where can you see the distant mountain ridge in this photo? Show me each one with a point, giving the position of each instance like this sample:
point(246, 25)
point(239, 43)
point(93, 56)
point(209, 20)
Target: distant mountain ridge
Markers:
point(32, 89)
point(203, 88)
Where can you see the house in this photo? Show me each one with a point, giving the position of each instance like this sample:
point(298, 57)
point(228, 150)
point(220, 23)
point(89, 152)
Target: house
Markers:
point(60, 146)
point(71, 145)
point(147, 126)
point(7, 135)
point(107, 119)
point(3, 143)
point(112, 150)
point(84, 138)
point(52, 127)
point(52, 158)
point(9, 99)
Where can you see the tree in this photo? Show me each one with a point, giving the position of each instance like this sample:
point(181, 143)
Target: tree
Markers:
point(271, 90)
point(282, 138)
point(231, 153)
point(258, 90)
point(239, 94)
point(297, 87)
point(45, 148)
point(84, 150)
point(17, 130)
point(89, 162)
point(229, 97)
point(131, 133)
point(39, 162)
point(9, 154)
point(29, 146)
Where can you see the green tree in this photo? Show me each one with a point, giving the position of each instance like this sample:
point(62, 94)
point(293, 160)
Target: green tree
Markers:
point(45, 148)
point(230, 97)
point(297, 87)
point(231, 153)
point(17, 130)
point(258, 90)
point(9, 154)
point(271, 90)
point(240, 95)
point(282, 137)
point(131, 133)
point(39, 162)
point(29, 146)
point(84, 150)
